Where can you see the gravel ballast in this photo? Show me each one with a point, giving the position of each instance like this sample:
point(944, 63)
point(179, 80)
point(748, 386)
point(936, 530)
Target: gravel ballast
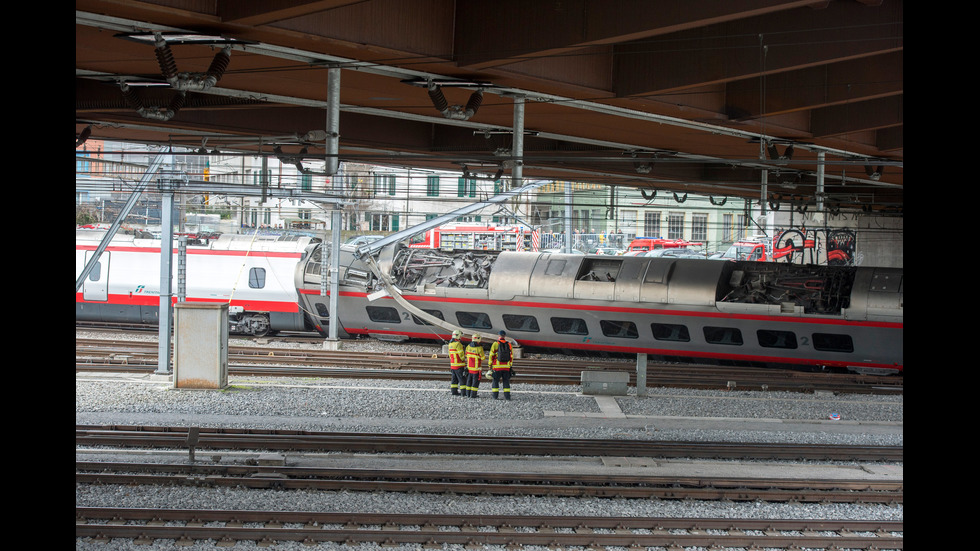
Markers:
point(421, 407)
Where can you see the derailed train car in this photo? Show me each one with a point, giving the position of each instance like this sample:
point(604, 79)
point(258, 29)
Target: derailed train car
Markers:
point(736, 313)
point(252, 274)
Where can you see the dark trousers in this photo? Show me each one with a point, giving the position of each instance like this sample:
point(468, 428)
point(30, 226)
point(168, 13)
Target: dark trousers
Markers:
point(501, 377)
point(458, 380)
point(472, 384)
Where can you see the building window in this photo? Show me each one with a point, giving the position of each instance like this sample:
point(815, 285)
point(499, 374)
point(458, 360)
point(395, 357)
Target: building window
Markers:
point(651, 224)
point(629, 220)
point(569, 326)
point(466, 187)
point(384, 183)
point(728, 228)
point(382, 221)
point(699, 227)
point(675, 225)
point(432, 186)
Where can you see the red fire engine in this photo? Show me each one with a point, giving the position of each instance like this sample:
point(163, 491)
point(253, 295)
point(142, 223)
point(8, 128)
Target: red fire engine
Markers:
point(652, 243)
point(760, 249)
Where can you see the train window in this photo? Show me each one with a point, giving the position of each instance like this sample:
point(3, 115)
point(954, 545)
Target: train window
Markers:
point(321, 310)
point(256, 278)
point(433, 313)
point(555, 267)
point(670, 332)
point(619, 329)
point(384, 314)
point(833, 343)
point(514, 322)
point(569, 326)
point(96, 273)
point(776, 339)
point(723, 335)
point(474, 320)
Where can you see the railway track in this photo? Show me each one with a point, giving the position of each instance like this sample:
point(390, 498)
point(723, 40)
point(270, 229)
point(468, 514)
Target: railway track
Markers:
point(310, 441)
point(133, 356)
point(186, 526)
point(477, 482)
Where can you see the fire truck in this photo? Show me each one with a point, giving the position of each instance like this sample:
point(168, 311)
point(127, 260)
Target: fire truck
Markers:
point(761, 249)
point(754, 249)
point(484, 237)
point(642, 244)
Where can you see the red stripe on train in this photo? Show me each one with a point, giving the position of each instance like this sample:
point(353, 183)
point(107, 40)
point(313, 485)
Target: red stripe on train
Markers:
point(630, 310)
point(154, 300)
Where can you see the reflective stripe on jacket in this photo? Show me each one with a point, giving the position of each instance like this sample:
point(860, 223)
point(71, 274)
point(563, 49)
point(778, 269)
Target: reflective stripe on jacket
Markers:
point(474, 357)
point(457, 356)
point(494, 363)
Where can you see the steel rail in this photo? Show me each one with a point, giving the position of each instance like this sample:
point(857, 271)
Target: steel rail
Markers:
point(781, 490)
point(98, 355)
point(292, 440)
point(388, 529)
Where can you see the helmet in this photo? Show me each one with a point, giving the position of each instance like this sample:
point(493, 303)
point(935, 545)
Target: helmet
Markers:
point(476, 338)
point(457, 334)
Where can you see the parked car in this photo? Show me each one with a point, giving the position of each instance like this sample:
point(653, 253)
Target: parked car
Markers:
point(608, 250)
point(359, 240)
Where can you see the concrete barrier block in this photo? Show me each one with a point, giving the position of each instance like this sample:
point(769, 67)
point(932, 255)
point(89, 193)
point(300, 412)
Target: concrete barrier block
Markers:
point(612, 383)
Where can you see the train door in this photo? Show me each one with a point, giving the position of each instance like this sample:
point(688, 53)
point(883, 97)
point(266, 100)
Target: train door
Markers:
point(96, 285)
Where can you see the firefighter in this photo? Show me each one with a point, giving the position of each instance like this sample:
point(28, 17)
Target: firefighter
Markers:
point(457, 364)
point(474, 361)
point(501, 361)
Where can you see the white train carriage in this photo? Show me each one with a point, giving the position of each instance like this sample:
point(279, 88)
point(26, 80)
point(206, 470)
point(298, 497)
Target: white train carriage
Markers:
point(714, 311)
point(254, 275)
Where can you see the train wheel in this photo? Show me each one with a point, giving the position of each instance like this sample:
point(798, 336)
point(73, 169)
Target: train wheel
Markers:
point(259, 326)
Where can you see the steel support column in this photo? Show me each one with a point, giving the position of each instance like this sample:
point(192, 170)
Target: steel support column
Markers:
point(332, 165)
point(517, 173)
point(168, 186)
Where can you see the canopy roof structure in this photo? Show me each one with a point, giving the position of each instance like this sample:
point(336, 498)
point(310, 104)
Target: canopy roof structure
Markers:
point(788, 99)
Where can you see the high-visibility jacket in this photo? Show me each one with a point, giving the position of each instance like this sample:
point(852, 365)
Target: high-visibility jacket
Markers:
point(495, 363)
point(474, 357)
point(457, 356)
